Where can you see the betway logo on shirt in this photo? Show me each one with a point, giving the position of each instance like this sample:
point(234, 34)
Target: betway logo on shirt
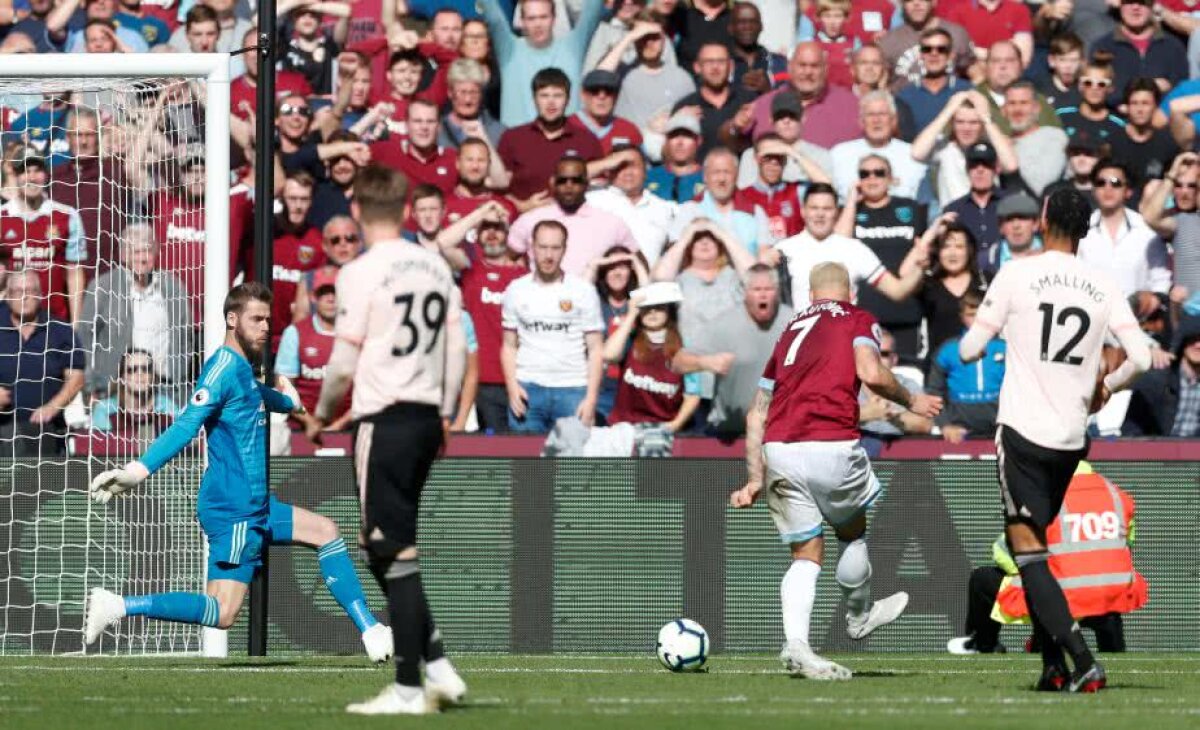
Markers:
point(280, 273)
point(538, 326)
point(487, 296)
point(184, 234)
point(649, 384)
point(33, 255)
point(311, 373)
point(885, 232)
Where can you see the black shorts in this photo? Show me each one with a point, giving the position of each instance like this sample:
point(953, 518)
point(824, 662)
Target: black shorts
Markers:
point(1033, 479)
point(393, 453)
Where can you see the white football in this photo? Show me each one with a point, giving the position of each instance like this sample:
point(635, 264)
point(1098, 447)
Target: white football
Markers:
point(682, 645)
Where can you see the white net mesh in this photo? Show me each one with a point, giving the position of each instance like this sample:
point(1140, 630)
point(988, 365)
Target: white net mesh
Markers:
point(104, 217)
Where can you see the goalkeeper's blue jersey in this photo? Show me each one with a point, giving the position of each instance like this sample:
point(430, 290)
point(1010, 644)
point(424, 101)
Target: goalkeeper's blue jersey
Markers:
point(232, 407)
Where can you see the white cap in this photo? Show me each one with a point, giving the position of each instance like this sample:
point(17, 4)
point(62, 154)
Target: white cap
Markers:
point(658, 293)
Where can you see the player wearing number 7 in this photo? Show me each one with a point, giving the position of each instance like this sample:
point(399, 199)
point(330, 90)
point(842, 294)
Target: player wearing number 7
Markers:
point(237, 513)
point(1054, 312)
point(804, 425)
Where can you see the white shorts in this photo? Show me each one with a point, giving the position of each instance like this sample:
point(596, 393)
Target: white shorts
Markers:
point(812, 481)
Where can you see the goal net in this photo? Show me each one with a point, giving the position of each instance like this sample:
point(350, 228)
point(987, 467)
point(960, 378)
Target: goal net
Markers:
point(114, 262)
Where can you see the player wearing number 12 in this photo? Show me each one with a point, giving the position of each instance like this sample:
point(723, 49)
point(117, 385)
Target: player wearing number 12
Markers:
point(237, 513)
point(1054, 311)
point(400, 338)
point(804, 423)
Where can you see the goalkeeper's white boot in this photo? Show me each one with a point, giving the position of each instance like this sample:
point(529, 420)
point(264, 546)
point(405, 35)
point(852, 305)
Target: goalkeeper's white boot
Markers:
point(442, 683)
point(378, 642)
point(104, 609)
point(395, 700)
point(801, 661)
point(882, 613)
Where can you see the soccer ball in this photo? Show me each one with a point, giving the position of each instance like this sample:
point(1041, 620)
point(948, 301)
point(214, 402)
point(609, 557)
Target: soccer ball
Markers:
point(682, 645)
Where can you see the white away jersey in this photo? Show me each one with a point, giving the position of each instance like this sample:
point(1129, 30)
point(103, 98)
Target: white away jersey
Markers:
point(803, 253)
point(1054, 311)
point(550, 321)
point(395, 302)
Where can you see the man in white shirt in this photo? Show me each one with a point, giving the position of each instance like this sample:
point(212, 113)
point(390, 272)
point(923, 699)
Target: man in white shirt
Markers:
point(552, 356)
point(649, 217)
point(1122, 245)
point(818, 243)
point(1055, 312)
point(877, 114)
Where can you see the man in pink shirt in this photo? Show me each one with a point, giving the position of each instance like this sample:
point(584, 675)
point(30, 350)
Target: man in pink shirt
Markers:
point(591, 231)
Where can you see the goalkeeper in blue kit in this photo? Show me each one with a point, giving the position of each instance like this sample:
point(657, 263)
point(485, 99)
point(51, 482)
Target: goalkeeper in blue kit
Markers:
point(237, 513)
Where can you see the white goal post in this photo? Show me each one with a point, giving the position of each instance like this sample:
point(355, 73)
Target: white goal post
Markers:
point(54, 543)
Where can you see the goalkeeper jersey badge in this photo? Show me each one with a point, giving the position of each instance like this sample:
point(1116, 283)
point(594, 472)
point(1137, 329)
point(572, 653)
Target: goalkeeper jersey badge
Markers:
point(201, 396)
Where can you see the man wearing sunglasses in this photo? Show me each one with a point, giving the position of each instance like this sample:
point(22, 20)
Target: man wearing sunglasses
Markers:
point(889, 226)
point(591, 230)
point(901, 45)
point(1120, 243)
point(1092, 115)
point(1140, 48)
point(927, 96)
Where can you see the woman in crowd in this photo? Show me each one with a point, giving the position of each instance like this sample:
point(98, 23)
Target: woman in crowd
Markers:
point(707, 263)
point(477, 45)
point(650, 391)
point(965, 120)
point(955, 272)
point(137, 408)
point(615, 275)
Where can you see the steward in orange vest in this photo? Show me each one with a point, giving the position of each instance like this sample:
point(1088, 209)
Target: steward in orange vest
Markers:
point(1089, 554)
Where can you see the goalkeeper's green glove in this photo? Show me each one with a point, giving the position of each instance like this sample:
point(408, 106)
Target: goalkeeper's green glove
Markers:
point(114, 482)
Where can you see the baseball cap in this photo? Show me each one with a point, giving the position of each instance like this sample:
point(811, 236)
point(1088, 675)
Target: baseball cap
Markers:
point(981, 152)
point(601, 79)
point(1084, 142)
point(659, 293)
point(1019, 205)
point(326, 276)
point(785, 103)
point(683, 123)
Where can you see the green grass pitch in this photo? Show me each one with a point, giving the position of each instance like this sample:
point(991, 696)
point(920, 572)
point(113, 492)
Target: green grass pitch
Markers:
point(1147, 692)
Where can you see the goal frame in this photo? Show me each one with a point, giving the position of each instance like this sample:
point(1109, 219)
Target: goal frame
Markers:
point(213, 69)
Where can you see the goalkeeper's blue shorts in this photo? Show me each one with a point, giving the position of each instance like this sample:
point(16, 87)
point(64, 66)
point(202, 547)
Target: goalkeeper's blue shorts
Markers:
point(235, 549)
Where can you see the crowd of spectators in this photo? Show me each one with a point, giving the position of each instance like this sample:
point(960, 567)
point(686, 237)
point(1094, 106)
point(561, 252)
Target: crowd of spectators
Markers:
point(564, 154)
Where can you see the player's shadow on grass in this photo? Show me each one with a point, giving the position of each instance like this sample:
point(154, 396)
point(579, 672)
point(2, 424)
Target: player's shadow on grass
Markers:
point(277, 663)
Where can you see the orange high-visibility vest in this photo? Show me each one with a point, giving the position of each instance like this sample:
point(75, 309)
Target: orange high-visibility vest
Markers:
point(1089, 554)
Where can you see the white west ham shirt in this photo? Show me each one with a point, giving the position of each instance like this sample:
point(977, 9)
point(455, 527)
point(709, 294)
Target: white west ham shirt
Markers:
point(550, 321)
point(1054, 310)
point(803, 252)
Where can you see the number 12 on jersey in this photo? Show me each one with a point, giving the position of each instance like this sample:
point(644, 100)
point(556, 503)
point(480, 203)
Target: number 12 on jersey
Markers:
point(1049, 322)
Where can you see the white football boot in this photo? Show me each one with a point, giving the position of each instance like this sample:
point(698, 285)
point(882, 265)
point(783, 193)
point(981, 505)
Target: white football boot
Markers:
point(377, 640)
point(801, 661)
point(882, 613)
point(392, 702)
point(104, 609)
point(442, 684)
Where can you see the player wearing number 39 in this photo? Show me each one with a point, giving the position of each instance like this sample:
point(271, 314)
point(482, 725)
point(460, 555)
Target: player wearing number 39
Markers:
point(1054, 311)
point(804, 423)
point(238, 514)
point(400, 338)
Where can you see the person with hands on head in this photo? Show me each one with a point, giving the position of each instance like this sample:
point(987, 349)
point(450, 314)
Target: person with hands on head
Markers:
point(779, 200)
point(965, 121)
point(616, 274)
point(803, 447)
point(953, 272)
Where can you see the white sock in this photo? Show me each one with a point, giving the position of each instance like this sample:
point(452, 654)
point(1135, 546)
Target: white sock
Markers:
point(797, 592)
point(439, 669)
point(854, 577)
point(407, 693)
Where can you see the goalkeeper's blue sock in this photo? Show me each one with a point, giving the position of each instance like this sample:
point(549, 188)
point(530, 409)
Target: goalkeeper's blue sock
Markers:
point(343, 583)
point(188, 608)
